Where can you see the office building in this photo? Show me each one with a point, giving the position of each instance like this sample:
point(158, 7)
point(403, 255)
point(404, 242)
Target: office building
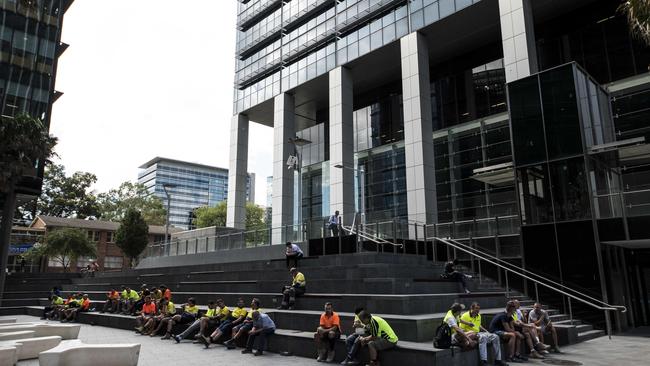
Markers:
point(519, 125)
point(30, 32)
point(190, 186)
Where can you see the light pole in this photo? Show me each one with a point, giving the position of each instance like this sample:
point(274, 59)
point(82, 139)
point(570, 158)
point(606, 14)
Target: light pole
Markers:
point(361, 180)
point(166, 186)
point(298, 142)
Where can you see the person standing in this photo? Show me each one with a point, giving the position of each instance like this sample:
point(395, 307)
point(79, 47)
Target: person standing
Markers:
point(293, 253)
point(333, 223)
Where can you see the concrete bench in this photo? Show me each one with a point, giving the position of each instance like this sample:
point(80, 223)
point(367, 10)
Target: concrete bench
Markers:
point(65, 331)
point(30, 347)
point(16, 335)
point(7, 320)
point(76, 352)
point(8, 356)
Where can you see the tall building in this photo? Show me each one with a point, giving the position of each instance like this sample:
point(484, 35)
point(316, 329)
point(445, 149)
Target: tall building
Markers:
point(190, 186)
point(520, 125)
point(30, 32)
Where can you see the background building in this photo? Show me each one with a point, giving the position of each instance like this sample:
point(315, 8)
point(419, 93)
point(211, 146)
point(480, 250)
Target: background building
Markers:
point(30, 36)
point(102, 233)
point(195, 185)
point(519, 126)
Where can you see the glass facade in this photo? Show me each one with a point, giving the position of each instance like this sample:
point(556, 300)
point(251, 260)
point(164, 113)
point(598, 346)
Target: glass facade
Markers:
point(195, 186)
point(282, 44)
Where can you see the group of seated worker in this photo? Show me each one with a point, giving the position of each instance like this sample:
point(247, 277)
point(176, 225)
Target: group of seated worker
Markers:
point(129, 301)
point(217, 324)
point(368, 330)
point(66, 310)
point(512, 327)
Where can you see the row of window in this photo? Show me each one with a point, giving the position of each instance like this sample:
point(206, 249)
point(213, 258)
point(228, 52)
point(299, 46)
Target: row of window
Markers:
point(110, 262)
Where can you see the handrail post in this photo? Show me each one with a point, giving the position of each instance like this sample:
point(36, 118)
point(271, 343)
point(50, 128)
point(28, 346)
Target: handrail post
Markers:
point(536, 292)
point(608, 322)
point(570, 311)
point(507, 286)
point(497, 245)
point(417, 246)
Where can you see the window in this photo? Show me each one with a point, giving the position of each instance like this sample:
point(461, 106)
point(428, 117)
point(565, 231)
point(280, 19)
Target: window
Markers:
point(113, 262)
point(110, 237)
point(97, 236)
point(84, 261)
point(54, 262)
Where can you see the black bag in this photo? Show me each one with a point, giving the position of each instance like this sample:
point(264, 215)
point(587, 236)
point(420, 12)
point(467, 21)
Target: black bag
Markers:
point(442, 340)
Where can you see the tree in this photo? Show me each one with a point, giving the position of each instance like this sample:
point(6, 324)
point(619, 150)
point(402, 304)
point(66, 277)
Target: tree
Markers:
point(64, 246)
point(131, 196)
point(133, 235)
point(211, 216)
point(216, 216)
point(638, 17)
point(64, 196)
point(25, 142)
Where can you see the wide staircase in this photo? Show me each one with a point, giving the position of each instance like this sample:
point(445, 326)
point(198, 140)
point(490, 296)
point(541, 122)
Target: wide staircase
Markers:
point(404, 289)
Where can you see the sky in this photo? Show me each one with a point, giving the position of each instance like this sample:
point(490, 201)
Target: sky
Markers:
point(146, 78)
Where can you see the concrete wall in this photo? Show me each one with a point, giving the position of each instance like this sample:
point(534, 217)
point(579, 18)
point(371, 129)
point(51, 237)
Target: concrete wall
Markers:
point(224, 256)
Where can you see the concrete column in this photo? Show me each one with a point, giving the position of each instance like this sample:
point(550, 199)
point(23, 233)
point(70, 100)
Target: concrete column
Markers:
point(518, 36)
point(236, 214)
point(283, 129)
point(341, 144)
point(418, 130)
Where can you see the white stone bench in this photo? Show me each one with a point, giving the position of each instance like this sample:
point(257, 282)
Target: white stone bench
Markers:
point(66, 331)
point(8, 356)
point(16, 335)
point(30, 347)
point(7, 320)
point(76, 352)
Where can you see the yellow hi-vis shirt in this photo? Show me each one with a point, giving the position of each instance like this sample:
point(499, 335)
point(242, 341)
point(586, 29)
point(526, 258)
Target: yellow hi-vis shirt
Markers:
point(133, 295)
point(379, 328)
point(468, 318)
point(239, 312)
point(191, 309)
point(299, 278)
point(448, 316)
point(210, 313)
point(171, 308)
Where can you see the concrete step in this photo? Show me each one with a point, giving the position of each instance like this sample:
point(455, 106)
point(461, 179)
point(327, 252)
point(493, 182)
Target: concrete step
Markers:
point(22, 302)
point(590, 334)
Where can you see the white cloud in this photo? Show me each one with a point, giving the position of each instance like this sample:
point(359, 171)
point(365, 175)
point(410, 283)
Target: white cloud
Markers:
point(149, 78)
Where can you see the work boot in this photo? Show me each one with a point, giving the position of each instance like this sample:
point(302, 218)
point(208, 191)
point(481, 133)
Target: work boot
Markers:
point(330, 356)
point(322, 353)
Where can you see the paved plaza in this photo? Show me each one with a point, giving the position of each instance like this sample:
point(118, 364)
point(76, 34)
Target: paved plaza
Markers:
point(621, 350)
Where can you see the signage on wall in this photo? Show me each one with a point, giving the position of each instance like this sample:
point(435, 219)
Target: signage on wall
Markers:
point(20, 248)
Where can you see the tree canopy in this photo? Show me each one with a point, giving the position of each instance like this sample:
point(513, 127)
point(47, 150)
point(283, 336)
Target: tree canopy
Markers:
point(133, 234)
point(114, 204)
point(64, 246)
point(638, 17)
point(64, 196)
point(216, 216)
point(25, 140)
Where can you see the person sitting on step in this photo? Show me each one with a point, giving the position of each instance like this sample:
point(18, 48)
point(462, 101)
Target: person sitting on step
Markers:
point(540, 319)
point(237, 316)
point(503, 325)
point(293, 253)
point(459, 337)
point(147, 312)
point(263, 327)
point(352, 342)
point(297, 288)
point(83, 306)
point(112, 302)
point(527, 332)
point(244, 327)
point(72, 302)
point(453, 274)
point(382, 337)
point(210, 314)
point(167, 310)
point(55, 303)
point(132, 298)
point(187, 316)
point(144, 291)
point(327, 333)
point(470, 323)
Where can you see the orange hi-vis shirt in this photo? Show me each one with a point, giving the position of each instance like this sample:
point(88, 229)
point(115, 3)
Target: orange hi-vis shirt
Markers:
point(85, 304)
point(330, 321)
point(113, 295)
point(149, 309)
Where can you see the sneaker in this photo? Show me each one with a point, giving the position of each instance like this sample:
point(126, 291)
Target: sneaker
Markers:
point(330, 356)
point(177, 339)
point(535, 354)
point(542, 347)
point(521, 357)
point(139, 329)
point(167, 336)
point(467, 291)
point(321, 355)
point(230, 344)
point(556, 350)
point(247, 350)
point(258, 353)
point(205, 340)
point(345, 362)
point(500, 363)
point(353, 362)
point(514, 360)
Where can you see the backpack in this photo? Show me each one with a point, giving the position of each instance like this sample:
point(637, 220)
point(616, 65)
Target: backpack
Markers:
point(442, 339)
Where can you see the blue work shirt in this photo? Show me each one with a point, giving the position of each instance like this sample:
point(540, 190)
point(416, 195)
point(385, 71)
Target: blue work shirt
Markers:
point(264, 322)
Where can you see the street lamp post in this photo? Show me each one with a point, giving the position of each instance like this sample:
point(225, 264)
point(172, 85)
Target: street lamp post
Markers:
point(166, 186)
point(298, 142)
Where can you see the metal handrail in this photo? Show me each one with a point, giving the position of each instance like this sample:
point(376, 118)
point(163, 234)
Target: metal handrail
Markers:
point(608, 307)
point(623, 309)
point(354, 228)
